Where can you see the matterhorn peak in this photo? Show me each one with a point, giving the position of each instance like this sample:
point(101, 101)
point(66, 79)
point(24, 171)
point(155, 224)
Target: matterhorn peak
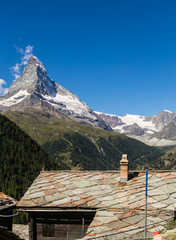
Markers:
point(35, 89)
point(34, 60)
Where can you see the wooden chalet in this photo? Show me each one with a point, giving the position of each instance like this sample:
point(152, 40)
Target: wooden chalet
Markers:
point(98, 204)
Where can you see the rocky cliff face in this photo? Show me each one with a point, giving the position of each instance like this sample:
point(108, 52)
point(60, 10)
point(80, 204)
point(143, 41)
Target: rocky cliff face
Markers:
point(168, 131)
point(35, 89)
point(163, 119)
point(112, 120)
point(152, 130)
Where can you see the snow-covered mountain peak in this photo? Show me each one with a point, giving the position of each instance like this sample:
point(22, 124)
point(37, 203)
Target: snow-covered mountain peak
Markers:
point(35, 89)
point(167, 111)
point(34, 79)
point(34, 60)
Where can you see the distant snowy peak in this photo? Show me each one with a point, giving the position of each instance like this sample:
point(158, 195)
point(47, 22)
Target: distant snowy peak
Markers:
point(163, 119)
point(128, 120)
point(35, 89)
point(167, 111)
point(143, 128)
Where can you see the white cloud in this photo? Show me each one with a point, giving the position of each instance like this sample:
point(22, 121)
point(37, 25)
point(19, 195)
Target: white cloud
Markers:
point(26, 54)
point(20, 50)
point(29, 49)
point(3, 90)
point(16, 71)
point(16, 68)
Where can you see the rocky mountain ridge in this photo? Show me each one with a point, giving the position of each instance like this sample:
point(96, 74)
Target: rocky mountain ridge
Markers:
point(157, 130)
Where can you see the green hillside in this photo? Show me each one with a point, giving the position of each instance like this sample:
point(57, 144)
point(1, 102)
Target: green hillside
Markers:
point(167, 161)
point(75, 146)
point(21, 159)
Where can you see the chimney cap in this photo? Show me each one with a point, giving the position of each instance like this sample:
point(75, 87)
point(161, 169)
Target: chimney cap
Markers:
point(124, 159)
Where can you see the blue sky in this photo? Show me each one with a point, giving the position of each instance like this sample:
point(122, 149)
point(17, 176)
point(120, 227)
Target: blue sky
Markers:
point(118, 56)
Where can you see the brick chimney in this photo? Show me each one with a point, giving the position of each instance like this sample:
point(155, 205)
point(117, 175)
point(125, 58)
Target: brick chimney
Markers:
point(124, 167)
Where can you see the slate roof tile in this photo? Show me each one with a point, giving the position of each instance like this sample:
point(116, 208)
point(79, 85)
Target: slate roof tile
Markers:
point(40, 201)
point(161, 197)
point(134, 219)
point(37, 194)
point(52, 197)
point(27, 203)
point(168, 188)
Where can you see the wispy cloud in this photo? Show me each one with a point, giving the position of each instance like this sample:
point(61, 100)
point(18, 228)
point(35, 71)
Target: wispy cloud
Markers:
point(26, 54)
point(3, 90)
point(16, 70)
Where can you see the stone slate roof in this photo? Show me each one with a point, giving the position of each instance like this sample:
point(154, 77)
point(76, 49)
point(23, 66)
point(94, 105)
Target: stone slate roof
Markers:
point(120, 209)
point(6, 201)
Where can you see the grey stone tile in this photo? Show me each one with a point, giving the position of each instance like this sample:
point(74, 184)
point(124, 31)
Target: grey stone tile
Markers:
point(104, 213)
point(168, 188)
point(161, 197)
point(156, 192)
point(53, 197)
point(37, 195)
point(135, 219)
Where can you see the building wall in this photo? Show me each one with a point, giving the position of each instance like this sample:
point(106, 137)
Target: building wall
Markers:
point(58, 226)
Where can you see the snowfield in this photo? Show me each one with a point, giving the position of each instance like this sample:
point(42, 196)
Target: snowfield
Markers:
point(129, 119)
point(17, 98)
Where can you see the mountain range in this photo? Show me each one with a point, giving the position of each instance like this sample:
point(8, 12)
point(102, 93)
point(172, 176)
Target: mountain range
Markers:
point(157, 130)
point(35, 89)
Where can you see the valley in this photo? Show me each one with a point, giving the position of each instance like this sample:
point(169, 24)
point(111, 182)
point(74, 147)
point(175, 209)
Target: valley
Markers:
point(77, 146)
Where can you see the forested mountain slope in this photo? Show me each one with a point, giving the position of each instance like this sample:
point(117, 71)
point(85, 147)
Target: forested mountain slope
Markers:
point(21, 159)
point(167, 161)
